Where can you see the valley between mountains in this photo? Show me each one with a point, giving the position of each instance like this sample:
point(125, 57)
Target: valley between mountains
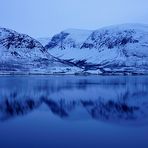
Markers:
point(114, 50)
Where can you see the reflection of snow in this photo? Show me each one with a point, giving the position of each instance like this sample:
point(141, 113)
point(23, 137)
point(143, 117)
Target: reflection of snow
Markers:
point(115, 99)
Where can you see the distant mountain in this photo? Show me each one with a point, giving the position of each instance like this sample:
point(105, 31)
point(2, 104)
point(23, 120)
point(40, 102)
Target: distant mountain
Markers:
point(20, 53)
point(114, 49)
point(44, 41)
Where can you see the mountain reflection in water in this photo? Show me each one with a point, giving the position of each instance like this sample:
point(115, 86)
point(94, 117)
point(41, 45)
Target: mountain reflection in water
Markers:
point(121, 100)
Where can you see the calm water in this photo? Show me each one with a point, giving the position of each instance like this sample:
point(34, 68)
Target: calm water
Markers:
point(73, 112)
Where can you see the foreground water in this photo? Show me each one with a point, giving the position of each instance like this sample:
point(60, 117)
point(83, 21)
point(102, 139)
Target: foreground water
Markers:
point(73, 112)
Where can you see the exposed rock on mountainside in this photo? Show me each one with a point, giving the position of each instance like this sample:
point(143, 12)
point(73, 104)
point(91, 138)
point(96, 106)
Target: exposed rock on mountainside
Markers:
point(22, 54)
point(115, 49)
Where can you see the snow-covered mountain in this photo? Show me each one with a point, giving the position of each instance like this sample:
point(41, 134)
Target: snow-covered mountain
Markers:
point(121, 49)
point(18, 45)
point(71, 38)
point(114, 49)
point(21, 53)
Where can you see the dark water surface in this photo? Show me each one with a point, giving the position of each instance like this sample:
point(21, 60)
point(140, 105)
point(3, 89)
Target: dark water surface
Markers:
point(73, 112)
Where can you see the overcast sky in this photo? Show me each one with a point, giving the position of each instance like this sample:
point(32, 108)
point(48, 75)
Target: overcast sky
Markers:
point(43, 18)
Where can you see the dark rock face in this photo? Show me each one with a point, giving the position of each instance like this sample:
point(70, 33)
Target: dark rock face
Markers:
point(22, 53)
point(57, 40)
point(11, 39)
point(107, 38)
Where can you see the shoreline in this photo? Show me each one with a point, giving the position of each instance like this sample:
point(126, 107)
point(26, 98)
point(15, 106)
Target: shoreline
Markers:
point(73, 74)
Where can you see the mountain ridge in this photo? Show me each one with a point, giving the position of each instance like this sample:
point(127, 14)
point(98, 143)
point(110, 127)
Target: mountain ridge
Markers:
point(21, 53)
point(118, 49)
point(114, 49)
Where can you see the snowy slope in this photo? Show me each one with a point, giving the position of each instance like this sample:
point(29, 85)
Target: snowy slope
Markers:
point(21, 53)
point(71, 38)
point(14, 45)
point(121, 48)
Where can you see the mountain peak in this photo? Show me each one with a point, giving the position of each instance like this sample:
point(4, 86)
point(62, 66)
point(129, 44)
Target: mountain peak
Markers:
point(126, 26)
point(116, 48)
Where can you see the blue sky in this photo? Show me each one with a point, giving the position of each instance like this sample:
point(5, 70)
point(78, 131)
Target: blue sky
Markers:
point(43, 18)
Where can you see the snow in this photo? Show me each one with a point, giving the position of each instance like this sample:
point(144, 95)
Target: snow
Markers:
point(113, 49)
point(78, 35)
point(138, 27)
point(22, 54)
point(123, 45)
point(68, 39)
